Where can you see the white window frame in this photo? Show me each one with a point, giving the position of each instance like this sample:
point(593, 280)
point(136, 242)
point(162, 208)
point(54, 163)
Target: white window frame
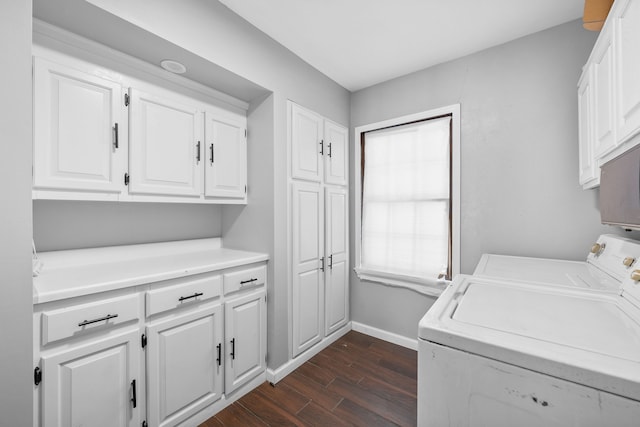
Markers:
point(432, 287)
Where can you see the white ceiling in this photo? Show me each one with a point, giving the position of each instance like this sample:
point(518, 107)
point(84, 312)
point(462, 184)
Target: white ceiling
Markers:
point(359, 43)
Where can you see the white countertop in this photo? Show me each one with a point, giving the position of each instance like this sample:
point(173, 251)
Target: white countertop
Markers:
point(74, 273)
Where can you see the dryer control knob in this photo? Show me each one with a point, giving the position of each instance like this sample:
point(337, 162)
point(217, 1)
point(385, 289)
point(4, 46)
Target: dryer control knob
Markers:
point(596, 248)
point(628, 261)
point(635, 276)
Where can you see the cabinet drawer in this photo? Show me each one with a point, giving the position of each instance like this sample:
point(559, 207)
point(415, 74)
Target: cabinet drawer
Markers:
point(183, 293)
point(77, 320)
point(248, 278)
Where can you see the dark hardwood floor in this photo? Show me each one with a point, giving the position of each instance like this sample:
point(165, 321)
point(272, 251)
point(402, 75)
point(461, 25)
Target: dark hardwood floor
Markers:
point(358, 380)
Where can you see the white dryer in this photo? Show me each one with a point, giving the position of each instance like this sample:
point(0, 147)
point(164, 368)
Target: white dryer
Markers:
point(605, 267)
point(494, 353)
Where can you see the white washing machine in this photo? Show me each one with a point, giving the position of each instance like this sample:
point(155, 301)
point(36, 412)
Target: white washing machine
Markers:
point(494, 353)
point(603, 270)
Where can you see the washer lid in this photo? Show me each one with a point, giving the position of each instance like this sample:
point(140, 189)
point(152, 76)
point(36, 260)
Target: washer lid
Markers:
point(590, 324)
point(582, 336)
point(546, 272)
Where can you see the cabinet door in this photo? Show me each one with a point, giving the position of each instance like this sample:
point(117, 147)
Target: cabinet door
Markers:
point(602, 92)
point(184, 357)
point(246, 338)
point(225, 157)
point(75, 119)
point(96, 384)
point(628, 63)
point(588, 170)
point(308, 265)
point(337, 270)
point(307, 146)
point(336, 140)
point(165, 145)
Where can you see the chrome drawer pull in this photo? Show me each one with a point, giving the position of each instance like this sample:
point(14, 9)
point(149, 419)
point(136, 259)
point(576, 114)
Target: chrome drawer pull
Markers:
point(244, 282)
point(107, 317)
point(196, 295)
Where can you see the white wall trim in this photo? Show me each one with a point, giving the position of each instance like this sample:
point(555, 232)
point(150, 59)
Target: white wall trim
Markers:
point(385, 335)
point(275, 375)
point(454, 110)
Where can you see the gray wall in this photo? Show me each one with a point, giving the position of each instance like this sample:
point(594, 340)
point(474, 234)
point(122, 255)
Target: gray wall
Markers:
point(211, 31)
point(16, 295)
point(60, 224)
point(519, 157)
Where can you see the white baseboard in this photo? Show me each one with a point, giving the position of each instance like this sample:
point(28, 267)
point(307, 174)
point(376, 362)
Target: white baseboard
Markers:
point(273, 376)
point(226, 400)
point(385, 335)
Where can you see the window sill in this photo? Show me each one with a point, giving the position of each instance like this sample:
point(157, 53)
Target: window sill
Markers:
point(430, 287)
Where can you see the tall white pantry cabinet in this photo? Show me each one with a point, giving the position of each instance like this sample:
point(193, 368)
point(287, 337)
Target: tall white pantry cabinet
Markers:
point(319, 227)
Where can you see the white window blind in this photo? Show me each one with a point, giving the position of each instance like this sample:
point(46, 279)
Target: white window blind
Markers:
point(406, 199)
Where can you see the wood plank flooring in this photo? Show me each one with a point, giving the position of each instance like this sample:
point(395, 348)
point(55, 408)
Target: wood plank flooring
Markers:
point(356, 381)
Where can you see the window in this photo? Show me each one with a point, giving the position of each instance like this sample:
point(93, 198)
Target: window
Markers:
point(407, 224)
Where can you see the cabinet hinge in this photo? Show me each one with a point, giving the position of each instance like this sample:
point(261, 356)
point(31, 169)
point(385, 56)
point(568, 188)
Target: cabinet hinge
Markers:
point(144, 424)
point(126, 179)
point(37, 375)
point(126, 99)
point(245, 189)
point(245, 133)
point(143, 341)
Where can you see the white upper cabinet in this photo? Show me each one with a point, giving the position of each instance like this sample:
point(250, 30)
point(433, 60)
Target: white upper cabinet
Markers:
point(77, 130)
point(336, 141)
point(609, 92)
point(628, 66)
point(166, 144)
point(588, 176)
point(102, 135)
point(307, 151)
point(225, 156)
point(319, 147)
point(602, 77)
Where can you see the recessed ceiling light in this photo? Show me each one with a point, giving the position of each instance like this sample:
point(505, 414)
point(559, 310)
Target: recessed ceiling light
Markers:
point(173, 66)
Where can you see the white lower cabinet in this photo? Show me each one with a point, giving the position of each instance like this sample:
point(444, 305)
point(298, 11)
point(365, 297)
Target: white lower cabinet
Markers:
point(101, 362)
point(184, 365)
point(93, 384)
point(246, 339)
